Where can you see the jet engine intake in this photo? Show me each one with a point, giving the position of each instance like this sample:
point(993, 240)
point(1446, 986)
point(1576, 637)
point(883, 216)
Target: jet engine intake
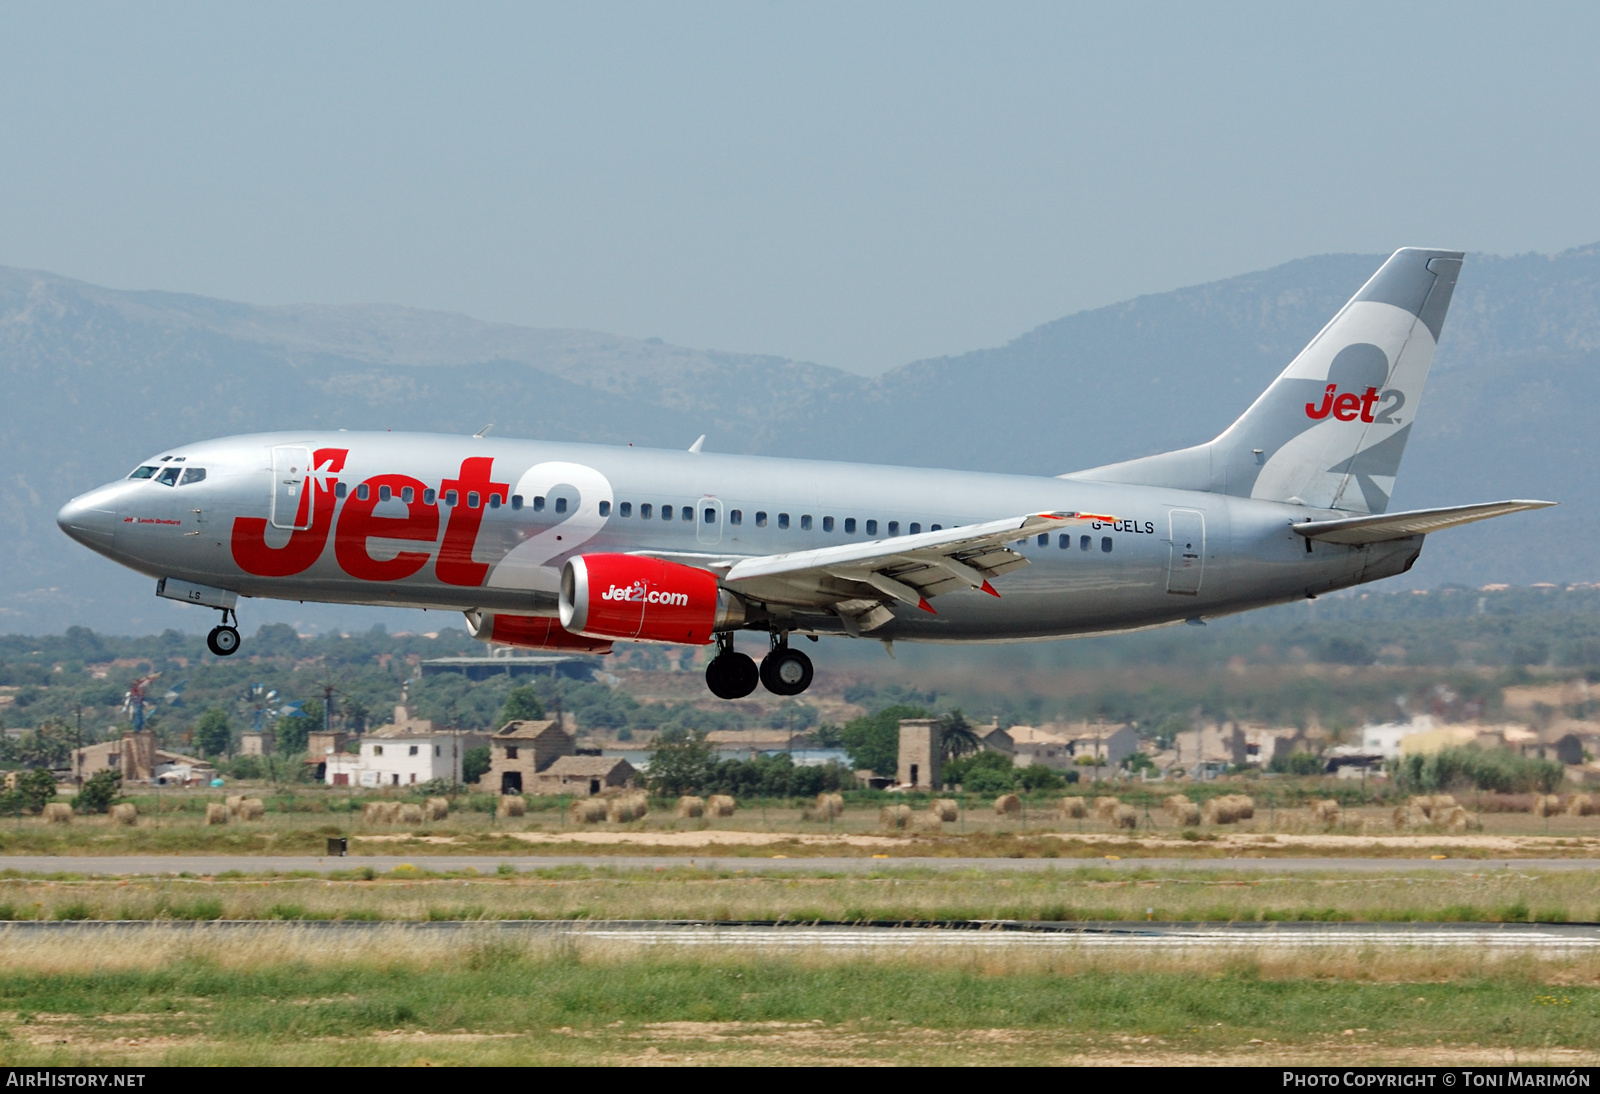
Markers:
point(531, 632)
point(644, 599)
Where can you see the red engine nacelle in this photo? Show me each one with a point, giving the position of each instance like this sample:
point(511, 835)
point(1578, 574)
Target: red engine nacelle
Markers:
point(645, 599)
point(530, 632)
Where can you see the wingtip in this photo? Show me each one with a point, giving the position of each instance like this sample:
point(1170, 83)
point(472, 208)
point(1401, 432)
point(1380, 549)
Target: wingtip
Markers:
point(925, 606)
point(988, 588)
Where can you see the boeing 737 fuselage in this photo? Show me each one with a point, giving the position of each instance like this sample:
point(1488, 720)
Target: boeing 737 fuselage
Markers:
point(575, 547)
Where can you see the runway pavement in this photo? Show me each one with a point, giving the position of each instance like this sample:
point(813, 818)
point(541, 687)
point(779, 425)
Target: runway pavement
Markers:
point(210, 865)
point(1500, 938)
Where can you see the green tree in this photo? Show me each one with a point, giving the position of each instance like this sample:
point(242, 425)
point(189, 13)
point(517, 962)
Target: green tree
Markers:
point(521, 705)
point(873, 740)
point(99, 791)
point(292, 730)
point(985, 772)
point(474, 764)
point(36, 788)
point(681, 762)
point(213, 734)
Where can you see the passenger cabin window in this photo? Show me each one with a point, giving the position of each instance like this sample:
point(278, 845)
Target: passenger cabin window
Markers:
point(384, 494)
point(666, 512)
point(710, 515)
point(850, 525)
point(894, 528)
point(363, 492)
point(169, 476)
point(429, 496)
point(644, 511)
point(761, 518)
point(340, 490)
point(1044, 539)
point(805, 522)
point(935, 527)
point(605, 509)
point(194, 474)
point(1064, 540)
point(1083, 543)
point(827, 524)
point(472, 499)
point(538, 504)
point(735, 516)
point(450, 498)
point(408, 494)
point(1105, 544)
point(625, 509)
point(915, 528)
point(516, 500)
point(561, 505)
point(494, 501)
point(872, 527)
point(143, 472)
point(688, 513)
point(783, 520)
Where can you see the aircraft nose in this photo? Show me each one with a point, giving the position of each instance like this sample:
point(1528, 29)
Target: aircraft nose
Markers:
point(91, 519)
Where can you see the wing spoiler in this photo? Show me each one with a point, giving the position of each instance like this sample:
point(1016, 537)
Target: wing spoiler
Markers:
point(1417, 522)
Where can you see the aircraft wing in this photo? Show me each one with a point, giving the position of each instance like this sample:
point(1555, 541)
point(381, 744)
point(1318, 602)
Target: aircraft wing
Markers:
point(1385, 526)
point(858, 581)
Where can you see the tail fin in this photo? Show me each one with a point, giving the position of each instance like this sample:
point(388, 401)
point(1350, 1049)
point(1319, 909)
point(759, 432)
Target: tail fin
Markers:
point(1330, 431)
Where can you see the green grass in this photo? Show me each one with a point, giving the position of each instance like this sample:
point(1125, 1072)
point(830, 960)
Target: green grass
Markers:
point(500, 1003)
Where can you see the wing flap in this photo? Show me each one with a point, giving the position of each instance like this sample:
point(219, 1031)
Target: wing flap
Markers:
point(1417, 522)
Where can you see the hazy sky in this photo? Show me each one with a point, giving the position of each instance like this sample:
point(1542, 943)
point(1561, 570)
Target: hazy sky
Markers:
point(856, 184)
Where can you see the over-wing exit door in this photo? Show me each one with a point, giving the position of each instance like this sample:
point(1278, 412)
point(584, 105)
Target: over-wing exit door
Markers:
point(1188, 557)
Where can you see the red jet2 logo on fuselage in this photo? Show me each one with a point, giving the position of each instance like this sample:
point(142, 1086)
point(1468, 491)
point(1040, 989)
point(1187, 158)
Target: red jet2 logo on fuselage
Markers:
point(357, 523)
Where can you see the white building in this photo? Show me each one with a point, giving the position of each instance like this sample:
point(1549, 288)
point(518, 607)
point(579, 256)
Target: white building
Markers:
point(405, 753)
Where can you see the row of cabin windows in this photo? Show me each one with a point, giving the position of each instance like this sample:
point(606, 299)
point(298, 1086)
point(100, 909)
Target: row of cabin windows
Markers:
point(452, 498)
point(736, 517)
point(1085, 543)
point(646, 510)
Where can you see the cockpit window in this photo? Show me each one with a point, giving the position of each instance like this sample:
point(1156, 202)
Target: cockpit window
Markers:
point(169, 476)
point(143, 472)
point(193, 474)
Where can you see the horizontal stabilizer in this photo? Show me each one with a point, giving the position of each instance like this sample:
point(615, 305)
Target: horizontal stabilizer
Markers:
point(1417, 522)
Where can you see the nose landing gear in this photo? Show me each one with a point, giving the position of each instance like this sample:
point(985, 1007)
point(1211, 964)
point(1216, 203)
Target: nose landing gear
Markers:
point(224, 639)
point(730, 674)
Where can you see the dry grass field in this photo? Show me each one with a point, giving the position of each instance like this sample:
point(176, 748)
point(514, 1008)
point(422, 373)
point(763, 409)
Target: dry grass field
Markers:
point(412, 893)
point(302, 823)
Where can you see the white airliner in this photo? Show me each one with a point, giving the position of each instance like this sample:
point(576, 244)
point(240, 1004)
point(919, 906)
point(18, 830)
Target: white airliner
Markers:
point(574, 546)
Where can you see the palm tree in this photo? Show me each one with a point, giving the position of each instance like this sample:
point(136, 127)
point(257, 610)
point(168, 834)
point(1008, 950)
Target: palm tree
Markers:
point(956, 737)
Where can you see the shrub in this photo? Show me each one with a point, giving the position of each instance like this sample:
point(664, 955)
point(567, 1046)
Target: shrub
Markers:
point(983, 773)
point(1500, 770)
point(475, 764)
point(247, 767)
point(36, 788)
point(99, 791)
point(1296, 763)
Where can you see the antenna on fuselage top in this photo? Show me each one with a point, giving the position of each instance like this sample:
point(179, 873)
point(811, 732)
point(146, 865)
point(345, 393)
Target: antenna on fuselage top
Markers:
point(484, 432)
point(698, 442)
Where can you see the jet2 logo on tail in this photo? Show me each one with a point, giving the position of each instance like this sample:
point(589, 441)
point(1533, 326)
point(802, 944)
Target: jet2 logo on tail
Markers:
point(1348, 406)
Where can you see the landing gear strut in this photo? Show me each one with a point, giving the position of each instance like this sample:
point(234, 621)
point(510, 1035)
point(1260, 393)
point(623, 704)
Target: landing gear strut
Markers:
point(785, 671)
point(731, 675)
point(224, 639)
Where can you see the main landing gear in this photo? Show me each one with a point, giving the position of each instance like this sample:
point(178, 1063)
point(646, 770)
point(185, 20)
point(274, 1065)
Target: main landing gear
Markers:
point(733, 675)
point(224, 639)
